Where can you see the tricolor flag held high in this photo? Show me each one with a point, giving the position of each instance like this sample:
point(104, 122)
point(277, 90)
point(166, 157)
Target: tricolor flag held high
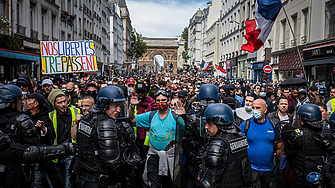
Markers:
point(204, 66)
point(220, 71)
point(258, 29)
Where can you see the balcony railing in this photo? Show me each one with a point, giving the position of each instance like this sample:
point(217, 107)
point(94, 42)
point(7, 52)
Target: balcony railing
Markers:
point(282, 45)
point(293, 42)
point(45, 37)
point(20, 29)
point(33, 34)
point(303, 39)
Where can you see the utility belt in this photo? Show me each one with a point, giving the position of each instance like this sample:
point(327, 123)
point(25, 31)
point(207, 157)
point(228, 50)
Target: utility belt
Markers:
point(24, 171)
point(102, 180)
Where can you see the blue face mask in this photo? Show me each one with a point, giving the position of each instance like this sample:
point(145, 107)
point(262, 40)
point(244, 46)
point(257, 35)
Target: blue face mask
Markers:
point(248, 108)
point(256, 114)
point(262, 94)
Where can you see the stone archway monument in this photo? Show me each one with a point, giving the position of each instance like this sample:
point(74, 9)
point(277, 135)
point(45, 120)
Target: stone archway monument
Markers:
point(166, 47)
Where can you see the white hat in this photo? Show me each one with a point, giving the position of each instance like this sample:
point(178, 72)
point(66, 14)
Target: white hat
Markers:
point(47, 81)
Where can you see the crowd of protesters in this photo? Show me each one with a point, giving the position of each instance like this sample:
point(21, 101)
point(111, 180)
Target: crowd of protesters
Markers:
point(271, 105)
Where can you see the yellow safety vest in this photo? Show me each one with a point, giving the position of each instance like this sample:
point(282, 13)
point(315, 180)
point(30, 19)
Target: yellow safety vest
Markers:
point(333, 105)
point(147, 132)
point(53, 117)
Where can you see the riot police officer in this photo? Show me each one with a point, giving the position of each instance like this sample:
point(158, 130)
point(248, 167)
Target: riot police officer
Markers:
point(225, 160)
point(304, 151)
point(107, 151)
point(195, 136)
point(20, 145)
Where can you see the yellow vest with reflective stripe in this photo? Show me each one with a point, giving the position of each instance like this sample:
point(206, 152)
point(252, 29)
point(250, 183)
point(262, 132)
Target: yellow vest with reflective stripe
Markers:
point(333, 105)
point(53, 117)
point(147, 132)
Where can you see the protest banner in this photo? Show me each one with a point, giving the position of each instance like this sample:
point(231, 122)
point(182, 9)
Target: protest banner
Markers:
point(68, 56)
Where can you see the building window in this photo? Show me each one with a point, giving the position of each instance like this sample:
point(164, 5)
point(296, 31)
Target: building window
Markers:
point(330, 19)
point(2, 7)
point(283, 34)
point(294, 21)
point(305, 15)
point(53, 20)
point(18, 11)
point(32, 16)
point(43, 20)
point(69, 6)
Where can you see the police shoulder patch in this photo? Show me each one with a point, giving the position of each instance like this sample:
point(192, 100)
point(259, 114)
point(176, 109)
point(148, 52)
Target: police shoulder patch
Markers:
point(238, 144)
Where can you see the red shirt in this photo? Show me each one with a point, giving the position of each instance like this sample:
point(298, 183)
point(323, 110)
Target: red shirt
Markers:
point(290, 100)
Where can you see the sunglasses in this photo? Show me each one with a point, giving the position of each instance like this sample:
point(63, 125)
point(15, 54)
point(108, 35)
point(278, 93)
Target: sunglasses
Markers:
point(22, 84)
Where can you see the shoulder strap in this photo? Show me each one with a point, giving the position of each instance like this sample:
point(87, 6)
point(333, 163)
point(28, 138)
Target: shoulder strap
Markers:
point(175, 117)
point(151, 115)
point(246, 126)
point(274, 126)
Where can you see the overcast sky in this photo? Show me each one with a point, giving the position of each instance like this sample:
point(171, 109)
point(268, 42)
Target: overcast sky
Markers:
point(162, 18)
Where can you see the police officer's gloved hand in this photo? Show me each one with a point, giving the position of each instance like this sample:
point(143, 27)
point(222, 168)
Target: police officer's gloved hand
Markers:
point(70, 148)
point(295, 138)
point(323, 141)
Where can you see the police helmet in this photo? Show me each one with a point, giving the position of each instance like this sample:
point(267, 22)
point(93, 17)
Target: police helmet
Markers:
point(209, 91)
point(110, 94)
point(6, 97)
point(311, 113)
point(220, 114)
point(14, 89)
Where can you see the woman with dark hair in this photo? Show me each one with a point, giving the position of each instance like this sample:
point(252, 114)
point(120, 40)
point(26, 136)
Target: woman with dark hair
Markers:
point(323, 108)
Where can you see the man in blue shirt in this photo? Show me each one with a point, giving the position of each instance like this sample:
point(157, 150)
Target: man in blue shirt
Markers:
point(163, 125)
point(264, 142)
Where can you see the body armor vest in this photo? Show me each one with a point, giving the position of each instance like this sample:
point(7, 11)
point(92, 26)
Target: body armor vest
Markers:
point(310, 155)
point(237, 152)
point(87, 139)
point(237, 170)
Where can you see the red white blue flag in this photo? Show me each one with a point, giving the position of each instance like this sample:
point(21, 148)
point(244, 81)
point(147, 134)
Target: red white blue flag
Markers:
point(204, 65)
point(258, 29)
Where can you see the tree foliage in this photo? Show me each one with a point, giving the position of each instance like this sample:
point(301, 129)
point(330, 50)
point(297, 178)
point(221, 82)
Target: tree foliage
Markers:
point(184, 35)
point(138, 46)
point(7, 41)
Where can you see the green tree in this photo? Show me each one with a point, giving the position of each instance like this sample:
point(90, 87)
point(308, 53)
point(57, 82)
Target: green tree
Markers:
point(138, 46)
point(184, 35)
point(7, 41)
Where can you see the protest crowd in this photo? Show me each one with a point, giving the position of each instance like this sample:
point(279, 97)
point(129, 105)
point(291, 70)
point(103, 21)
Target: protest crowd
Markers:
point(165, 130)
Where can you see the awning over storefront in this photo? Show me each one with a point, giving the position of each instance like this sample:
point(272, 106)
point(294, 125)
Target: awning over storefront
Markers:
point(289, 61)
point(18, 55)
point(319, 61)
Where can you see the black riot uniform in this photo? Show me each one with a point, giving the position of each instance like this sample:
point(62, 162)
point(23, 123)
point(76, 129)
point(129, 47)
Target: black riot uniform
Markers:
point(20, 145)
point(304, 150)
point(195, 136)
point(106, 146)
point(225, 161)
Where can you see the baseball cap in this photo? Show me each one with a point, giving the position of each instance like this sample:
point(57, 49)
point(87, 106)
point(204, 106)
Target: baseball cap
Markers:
point(182, 94)
point(302, 91)
point(47, 81)
point(38, 97)
point(140, 86)
point(130, 81)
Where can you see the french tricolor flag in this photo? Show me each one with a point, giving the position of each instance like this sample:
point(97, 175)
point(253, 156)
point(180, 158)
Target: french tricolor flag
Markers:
point(258, 29)
point(204, 65)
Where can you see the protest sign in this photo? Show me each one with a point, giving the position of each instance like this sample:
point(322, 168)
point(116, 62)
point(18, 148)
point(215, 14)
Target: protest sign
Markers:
point(68, 56)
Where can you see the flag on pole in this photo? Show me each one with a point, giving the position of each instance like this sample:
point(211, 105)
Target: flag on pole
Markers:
point(204, 65)
point(220, 71)
point(258, 29)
